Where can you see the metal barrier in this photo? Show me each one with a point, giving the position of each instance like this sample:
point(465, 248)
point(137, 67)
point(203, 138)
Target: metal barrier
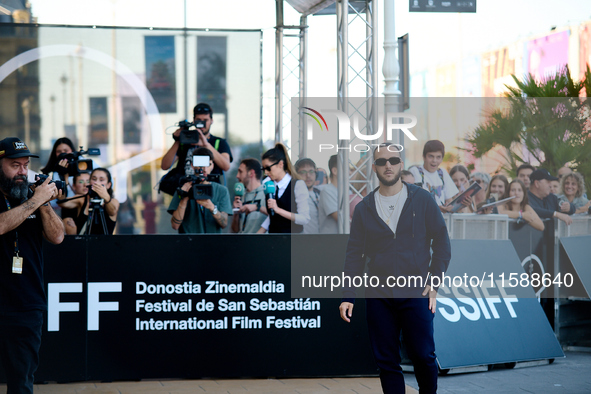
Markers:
point(572, 325)
point(474, 226)
point(581, 226)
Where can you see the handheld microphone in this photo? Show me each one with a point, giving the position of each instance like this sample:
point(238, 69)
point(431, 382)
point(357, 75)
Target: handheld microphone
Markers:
point(238, 189)
point(270, 193)
point(238, 192)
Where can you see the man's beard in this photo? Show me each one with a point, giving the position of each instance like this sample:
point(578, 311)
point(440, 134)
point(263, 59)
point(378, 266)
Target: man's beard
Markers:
point(386, 182)
point(14, 189)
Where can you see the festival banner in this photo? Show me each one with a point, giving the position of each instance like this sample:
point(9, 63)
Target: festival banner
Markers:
point(497, 67)
point(161, 71)
point(132, 120)
point(547, 55)
point(211, 72)
point(99, 121)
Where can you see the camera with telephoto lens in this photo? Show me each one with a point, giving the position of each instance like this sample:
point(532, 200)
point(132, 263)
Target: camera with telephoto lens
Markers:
point(190, 136)
point(75, 164)
point(61, 185)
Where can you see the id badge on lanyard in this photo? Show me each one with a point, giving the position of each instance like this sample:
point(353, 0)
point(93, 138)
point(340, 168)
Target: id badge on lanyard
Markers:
point(17, 261)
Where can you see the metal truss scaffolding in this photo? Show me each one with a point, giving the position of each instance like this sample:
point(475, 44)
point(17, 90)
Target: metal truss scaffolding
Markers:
point(357, 77)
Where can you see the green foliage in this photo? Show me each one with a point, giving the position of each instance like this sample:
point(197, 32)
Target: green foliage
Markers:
point(550, 118)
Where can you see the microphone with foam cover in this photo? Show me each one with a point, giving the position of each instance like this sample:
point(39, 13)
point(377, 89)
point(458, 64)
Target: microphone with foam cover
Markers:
point(270, 193)
point(238, 189)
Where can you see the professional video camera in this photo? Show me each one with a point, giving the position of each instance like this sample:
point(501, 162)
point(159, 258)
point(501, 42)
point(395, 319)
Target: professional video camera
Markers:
point(76, 165)
point(61, 185)
point(190, 136)
point(199, 191)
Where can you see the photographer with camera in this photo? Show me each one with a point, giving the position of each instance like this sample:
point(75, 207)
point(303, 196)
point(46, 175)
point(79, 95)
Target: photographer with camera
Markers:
point(57, 164)
point(25, 218)
point(200, 206)
point(97, 210)
point(186, 141)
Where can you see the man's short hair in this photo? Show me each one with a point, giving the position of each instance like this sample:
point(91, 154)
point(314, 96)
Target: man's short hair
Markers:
point(433, 146)
point(406, 173)
point(304, 162)
point(203, 151)
point(525, 167)
point(202, 108)
point(253, 164)
point(332, 163)
point(384, 145)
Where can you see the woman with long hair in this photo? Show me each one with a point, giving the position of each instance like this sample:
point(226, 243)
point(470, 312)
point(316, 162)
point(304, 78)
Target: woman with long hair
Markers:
point(573, 189)
point(498, 187)
point(461, 177)
point(288, 211)
point(101, 193)
point(519, 208)
point(61, 145)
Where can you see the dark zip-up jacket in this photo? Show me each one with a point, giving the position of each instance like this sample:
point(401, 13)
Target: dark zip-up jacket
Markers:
point(421, 228)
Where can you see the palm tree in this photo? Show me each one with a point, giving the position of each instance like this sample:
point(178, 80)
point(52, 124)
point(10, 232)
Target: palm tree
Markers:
point(549, 118)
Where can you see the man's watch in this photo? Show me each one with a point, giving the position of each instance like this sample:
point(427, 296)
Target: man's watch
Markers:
point(215, 210)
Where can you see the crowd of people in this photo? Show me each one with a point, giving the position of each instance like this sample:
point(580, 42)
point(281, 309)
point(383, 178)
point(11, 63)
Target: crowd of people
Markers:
point(280, 197)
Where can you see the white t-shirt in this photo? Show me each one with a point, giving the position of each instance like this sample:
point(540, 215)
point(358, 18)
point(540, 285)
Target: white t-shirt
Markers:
point(389, 208)
point(440, 191)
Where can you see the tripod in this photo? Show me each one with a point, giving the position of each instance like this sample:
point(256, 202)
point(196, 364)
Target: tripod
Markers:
point(95, 207)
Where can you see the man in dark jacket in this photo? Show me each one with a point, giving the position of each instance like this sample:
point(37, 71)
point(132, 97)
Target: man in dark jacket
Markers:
point(545, 203)
point(395, 227)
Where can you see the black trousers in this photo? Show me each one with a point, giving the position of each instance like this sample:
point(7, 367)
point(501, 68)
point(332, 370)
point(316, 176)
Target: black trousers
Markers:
point(20, 339)
point(386, 319)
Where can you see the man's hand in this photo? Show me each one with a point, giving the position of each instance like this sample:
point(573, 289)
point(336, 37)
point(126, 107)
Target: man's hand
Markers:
point(565, 218)
point(45, 192)
point(346, 309)
point(177, 133)
point(565, 207)
point(207, 204)
point(187, 186)
point(432, 297)
point(237, 203)
point(248, 208)
point(202, 140)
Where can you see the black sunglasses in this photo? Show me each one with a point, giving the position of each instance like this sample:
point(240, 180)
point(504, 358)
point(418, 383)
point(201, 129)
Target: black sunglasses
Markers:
point(382, 162)
point(268, 168)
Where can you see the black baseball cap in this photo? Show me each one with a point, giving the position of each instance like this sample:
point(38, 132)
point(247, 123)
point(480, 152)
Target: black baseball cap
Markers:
point(540, 174)
point(202, 108)
point(13, 148)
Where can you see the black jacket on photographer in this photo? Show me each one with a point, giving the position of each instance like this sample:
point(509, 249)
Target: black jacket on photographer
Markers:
point(186, 150)
point(184, 167)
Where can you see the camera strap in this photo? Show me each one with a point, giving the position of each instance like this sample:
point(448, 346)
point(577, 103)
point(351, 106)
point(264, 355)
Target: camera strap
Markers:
point(71, 198)
point(17, 261)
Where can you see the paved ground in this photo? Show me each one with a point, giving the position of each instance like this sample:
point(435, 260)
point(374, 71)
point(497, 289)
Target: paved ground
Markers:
point(259, 386)
point(566, 375)
point(569, 375)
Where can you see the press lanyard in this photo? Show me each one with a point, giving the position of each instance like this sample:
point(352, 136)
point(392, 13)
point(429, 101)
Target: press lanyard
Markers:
point(17, 261)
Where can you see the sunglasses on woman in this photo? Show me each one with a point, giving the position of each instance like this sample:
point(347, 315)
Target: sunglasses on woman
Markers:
point(382, 162)
point(268, 168)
